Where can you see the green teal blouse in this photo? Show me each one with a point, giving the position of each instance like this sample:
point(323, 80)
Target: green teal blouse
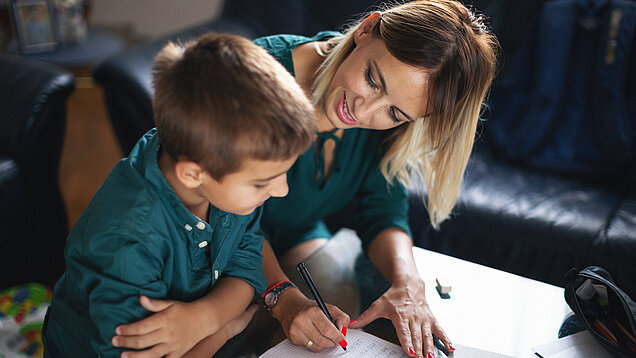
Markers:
point(137, 238)
point(354, 173)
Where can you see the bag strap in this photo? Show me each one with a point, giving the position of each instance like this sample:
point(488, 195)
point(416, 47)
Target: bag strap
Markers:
point(554, 38)
point(612, 121)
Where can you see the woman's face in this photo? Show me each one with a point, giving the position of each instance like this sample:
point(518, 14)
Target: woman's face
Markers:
point(372, 89)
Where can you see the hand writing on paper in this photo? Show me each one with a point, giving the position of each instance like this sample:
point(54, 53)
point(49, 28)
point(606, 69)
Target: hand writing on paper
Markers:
point(405, 305)
point(172, 330)
point(302, 321)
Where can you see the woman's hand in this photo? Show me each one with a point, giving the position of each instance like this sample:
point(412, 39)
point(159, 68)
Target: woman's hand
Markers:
point(303, 321)
point(210, 345)
point(173, 329)
point(405, 305)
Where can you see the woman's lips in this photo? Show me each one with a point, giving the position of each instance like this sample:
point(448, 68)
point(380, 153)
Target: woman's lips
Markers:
point(342, 110)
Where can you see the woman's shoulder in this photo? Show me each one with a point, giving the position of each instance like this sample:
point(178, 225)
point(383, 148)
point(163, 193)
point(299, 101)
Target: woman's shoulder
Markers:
point(281, 46)
point(287, 41)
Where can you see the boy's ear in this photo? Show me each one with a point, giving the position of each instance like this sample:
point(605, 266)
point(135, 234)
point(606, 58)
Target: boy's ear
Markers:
point(189, 173)
point(366, 27)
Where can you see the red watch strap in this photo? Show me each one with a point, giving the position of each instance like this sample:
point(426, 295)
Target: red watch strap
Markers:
point(274, 286)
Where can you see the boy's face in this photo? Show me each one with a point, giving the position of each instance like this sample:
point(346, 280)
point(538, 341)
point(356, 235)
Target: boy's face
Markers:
point(243, 191)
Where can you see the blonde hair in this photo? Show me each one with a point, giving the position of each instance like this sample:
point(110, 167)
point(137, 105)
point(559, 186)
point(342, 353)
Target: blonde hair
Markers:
point(446, 39)
point(222, 98)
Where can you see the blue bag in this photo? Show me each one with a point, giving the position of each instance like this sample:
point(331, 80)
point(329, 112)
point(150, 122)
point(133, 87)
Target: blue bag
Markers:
point(566, 100)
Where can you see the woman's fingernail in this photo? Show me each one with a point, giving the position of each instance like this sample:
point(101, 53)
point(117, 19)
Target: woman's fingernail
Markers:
point(353, 320)
point(411, 350)
point(344, 330)
point(343, 343)
point(450, 345)
point(431, 355)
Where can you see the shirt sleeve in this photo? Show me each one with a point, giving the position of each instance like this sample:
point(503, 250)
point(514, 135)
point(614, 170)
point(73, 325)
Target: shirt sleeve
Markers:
point(113, 271)
point(381, 206)
point(246, 261)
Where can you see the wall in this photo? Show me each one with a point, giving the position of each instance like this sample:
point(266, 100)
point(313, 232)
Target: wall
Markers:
point(146, 19)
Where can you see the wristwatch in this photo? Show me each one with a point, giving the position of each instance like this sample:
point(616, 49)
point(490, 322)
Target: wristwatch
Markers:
point(270, 297)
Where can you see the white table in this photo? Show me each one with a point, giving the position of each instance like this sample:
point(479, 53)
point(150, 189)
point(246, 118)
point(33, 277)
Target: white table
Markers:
point(491, 309)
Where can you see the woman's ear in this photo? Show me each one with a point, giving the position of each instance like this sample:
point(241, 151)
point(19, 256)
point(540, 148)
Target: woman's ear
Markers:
point(189, 173)
point(366, 27)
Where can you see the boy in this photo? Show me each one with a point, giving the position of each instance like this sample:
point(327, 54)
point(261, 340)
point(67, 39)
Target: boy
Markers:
point(179, 218)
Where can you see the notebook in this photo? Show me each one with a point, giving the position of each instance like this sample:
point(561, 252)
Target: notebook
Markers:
point(364, 345)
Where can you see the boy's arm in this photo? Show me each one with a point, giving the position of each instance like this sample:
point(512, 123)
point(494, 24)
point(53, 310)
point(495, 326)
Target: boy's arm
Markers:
point(242, 278)
point(176, 327)
point(107, 274)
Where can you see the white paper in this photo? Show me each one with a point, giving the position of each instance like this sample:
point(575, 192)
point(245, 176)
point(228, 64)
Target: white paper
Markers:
point(578, 345)
point(364, 345)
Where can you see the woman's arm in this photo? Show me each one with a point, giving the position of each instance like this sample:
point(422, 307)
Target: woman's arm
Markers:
point(210, 345)
point(404, 303)
point(301, 318)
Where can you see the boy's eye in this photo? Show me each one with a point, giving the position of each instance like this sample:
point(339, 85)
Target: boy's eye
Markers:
point(260, 186)
point(367, 75)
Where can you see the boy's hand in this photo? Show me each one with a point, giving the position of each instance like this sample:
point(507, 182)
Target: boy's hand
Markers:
point(172, 330)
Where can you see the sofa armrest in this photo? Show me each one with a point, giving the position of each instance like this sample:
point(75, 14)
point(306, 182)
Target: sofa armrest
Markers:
point(33, 223)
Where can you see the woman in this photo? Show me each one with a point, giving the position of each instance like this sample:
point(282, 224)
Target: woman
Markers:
point(397, 98)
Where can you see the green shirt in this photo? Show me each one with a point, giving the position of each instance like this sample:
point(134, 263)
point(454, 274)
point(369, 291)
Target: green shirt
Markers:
point(354, 174)
point(137, 238)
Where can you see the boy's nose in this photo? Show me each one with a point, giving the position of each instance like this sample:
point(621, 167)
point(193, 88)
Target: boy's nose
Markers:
point(279, 188)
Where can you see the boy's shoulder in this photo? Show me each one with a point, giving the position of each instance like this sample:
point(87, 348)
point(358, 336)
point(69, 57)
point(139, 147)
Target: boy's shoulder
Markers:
point(131, 199)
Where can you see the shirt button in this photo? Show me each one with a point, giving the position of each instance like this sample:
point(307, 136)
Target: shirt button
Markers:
point(200, 225)
point(203, 244)
point(216, 274)
point(188, 227)
point(225, 221)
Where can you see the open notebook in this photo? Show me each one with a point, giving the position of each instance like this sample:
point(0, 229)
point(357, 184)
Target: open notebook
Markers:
point(365, 345)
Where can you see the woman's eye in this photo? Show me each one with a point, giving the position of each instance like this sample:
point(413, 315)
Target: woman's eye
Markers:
point(393, 116)
point(259, 186)
point(367, 75)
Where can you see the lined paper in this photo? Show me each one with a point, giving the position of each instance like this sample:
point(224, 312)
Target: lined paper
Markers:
point(365, 345)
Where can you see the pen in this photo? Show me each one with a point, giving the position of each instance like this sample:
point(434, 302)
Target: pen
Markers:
point(304, 274)
point(440, 346)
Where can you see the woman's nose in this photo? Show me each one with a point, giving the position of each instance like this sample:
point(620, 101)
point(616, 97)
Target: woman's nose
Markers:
point(366, 108)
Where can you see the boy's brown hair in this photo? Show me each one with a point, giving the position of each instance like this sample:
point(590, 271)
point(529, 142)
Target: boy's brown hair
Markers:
point(221, 99)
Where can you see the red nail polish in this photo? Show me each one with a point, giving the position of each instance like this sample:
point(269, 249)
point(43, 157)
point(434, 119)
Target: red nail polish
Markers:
point(450, 345)
point(343, 343)
point(431, 355)
point(344, 330)
point(353, 320)
point(411, 350)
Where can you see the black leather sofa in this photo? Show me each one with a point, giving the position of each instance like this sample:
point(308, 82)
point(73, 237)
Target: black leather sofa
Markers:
point(33, 224)
point(509, 217)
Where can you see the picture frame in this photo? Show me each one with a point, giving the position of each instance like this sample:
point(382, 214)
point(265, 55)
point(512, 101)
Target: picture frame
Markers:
point(35, 25)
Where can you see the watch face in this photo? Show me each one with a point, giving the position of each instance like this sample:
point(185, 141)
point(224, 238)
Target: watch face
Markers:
point(270, 299)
